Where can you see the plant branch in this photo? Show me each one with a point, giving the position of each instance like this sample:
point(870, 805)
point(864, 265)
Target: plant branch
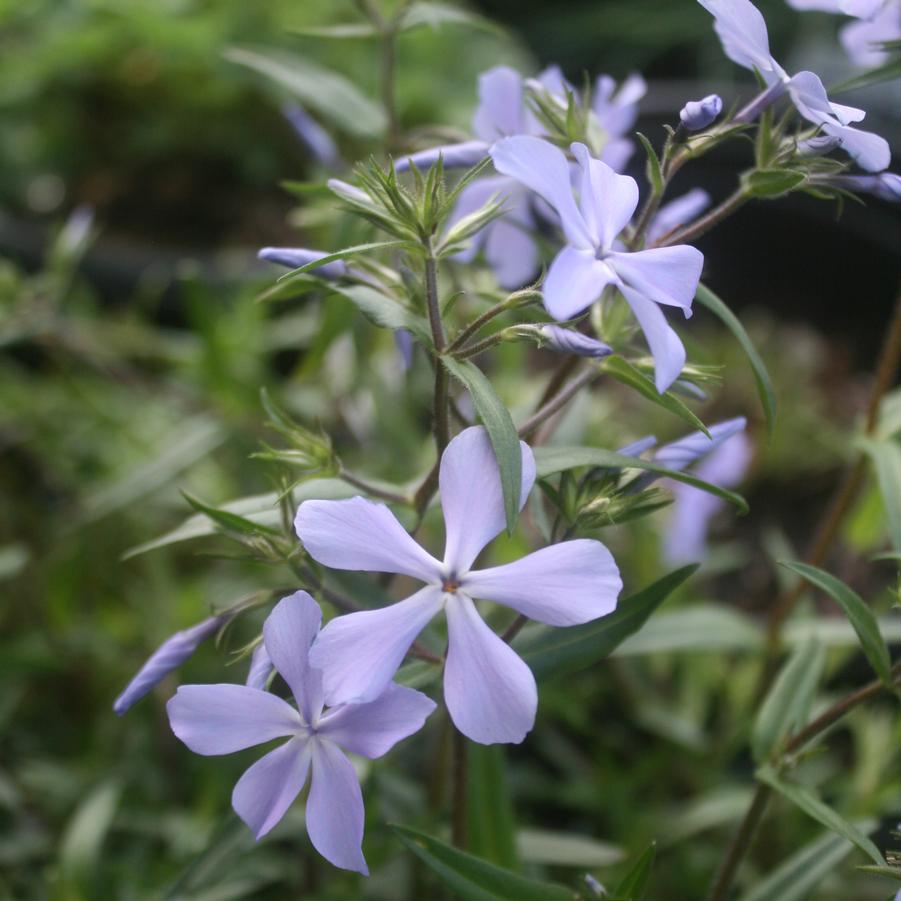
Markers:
point(558, 401)
point(374, 490)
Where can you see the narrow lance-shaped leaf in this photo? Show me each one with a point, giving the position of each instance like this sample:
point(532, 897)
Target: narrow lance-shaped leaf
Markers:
point(623, 371)
point(385, 311)
point(501, 430)
point(491, 826)
point(707, 298)
point(859, 614)
point(799, 874)
point(634, 885)
point(787, 706)
point(886, 457)
point(567, 650)
point(549, 460)
point(811, 805)
point(474, 879)
point(354, 251)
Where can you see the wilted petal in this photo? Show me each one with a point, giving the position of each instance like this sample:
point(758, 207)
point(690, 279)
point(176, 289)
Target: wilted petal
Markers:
point(335, 814)
point(677, 213)
point(543, 168)
point(359, 653)
point(268, 788)
point(574, 282)
point(373, 729)
point(666, 348)
point(360, 534)
point(489, 691)
point(500, 109)
point(288, 633)
point(471, 496)
point(607, 199)
point(223, 718)
point(667, 275)
point(172, 653)
point(562, 585)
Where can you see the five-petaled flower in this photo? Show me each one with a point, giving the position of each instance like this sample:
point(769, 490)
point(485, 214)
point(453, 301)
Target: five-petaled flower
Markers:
point(489, 691)
point(224, 718)
point(743, 33)
point(591, 260)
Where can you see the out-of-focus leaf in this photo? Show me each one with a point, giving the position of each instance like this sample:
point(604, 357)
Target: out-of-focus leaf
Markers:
point(344, 254)
point(811, 805)
point(623, 371)
point(893, 873)
point(886, 457)
point(231, 837)
point(699, 628)
point(385, 311)
point(635, 884)
point(885, 72)
point(563, 849)
point(707, 298)
point(561, 651)
point(710, 810)
point(499, 424)
point(787, 706)
point(330, 94)
point(859, 614)
point(434, 15)
point(351, 31)
point(474, 879)
point(259, 508)
point(836, 633)
point(549, 460)
point(798, 875)
point(13, 558)
point(230, 522)
point(491, 826)
point(197, 437)
point(82, 841)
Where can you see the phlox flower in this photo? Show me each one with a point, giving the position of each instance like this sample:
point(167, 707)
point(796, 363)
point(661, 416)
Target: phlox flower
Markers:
point(743, 34)
point(224, 718)
point(489, 690)
point(591, 260)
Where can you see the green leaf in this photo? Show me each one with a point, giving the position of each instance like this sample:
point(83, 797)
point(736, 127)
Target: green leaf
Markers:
point(385, 311)
point(623, 371)
point(653, 169)
point(564, 849)
point(328, 93)
point(474, 879)
point(770, 183)
point(491, 827)
point(798, 875)
point(787, 706)
point(350, 31)
point(549, 460)
point(889, 872)
point(435, 15)
point(886, 457)
point(700, 628)
point(823, 814)
point(635, 884)
point(707, 298)
point(82, 841)
point(344, 254)
point(859, 614)
point(259, 508)
point(886, 72)
point(562, 651)
point(497, 420)
point(229, 521)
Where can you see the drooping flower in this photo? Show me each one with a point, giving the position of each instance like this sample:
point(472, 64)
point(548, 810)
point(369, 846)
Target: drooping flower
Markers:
point(590, 261)
point(743, 33)
point(224, 718)
point(171, 654)
point(698, 114)
point(685, 538)
point(489, 691)
point(878, 22)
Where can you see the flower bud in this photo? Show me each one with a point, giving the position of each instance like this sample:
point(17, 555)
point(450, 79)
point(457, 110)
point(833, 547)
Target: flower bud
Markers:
point(698, 114)
point(885, 185)
point(569, 341)
point(453, 156)
point(295, 257)
point(172, 653)
point(313, 136)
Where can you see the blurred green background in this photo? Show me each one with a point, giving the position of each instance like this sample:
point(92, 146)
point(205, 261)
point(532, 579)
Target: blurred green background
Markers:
point(131, 357)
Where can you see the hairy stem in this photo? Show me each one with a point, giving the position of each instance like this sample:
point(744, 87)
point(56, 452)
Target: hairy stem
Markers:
point(441, 415)
point(701, 226)
point(474, 350)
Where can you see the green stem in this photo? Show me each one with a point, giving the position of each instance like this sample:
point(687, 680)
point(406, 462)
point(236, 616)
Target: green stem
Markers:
point(703, 225)
point(374, 490)
point(433, 305)
point(479, 347)
point(558, 401)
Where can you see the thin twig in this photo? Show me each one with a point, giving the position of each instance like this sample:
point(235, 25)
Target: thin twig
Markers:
point(557, 402)
point(373, 490)
point(683, 235)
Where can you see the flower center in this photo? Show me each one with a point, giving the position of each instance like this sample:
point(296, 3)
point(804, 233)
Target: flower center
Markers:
point(450, 585)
